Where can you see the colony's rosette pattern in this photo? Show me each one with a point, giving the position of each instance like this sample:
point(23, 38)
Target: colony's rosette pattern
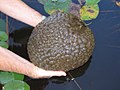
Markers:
point(60, 42)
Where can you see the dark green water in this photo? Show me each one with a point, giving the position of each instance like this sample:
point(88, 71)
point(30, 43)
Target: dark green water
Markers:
point(102, 72)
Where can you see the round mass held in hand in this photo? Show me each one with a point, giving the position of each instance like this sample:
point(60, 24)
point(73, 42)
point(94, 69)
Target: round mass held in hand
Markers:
point(62, 41)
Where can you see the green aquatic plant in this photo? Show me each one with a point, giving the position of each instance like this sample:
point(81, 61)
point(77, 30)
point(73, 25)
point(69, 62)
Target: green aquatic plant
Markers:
point(92, 2)
point(5, 77)
point(16, 85)
point(3, 36)
point(10, 80)
point(89, 12)
point(57, 5)
point(4, 44)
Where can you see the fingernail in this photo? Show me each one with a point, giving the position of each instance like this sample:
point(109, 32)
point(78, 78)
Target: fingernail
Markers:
point(64, 74)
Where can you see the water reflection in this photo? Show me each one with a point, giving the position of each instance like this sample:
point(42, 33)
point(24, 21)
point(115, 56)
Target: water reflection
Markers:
point(72, 74)
point(38, 84)
point(18, 41)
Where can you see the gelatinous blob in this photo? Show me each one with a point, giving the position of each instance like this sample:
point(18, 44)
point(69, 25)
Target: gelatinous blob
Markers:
point(72, 48)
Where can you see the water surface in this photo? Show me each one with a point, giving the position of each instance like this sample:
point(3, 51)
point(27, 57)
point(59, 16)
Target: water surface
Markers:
point(102, 72)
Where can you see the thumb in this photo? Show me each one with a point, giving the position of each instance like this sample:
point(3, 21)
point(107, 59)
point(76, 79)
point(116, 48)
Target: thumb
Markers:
point(41, 73)
point(43, 17)
point(49, 74)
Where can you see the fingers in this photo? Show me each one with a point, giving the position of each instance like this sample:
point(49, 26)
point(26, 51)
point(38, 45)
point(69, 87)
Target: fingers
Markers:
point(40, 73)
point(48, 74)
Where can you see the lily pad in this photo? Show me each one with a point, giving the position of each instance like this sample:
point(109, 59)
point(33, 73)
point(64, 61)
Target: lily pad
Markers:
point(89, 12)
point(16, 85)
point(57, 5)
point(3, 36)
point(4, 44)
point(2, 25)
point(5, 77)
point(92, 2)
point(17, 76)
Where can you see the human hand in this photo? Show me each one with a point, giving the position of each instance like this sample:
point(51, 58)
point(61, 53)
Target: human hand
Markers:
point(10, 61)
point(16, 63)
point(41, 73)
point(43, 17)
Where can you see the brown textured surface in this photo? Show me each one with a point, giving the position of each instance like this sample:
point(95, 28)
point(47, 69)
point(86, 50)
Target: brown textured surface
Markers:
point(60, 42)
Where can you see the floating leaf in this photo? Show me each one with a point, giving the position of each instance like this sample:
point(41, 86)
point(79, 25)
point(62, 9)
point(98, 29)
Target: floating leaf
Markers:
point(89, 12)
point(57, 5)
point(92, 2)
point(4, 44)
point(42, 1)
point(2, 25)
point(16, 85)
point(5, 77)
point(3, 36)
point(17, 76)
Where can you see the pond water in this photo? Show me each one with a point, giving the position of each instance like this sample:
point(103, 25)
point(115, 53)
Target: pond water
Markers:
point(102, 72)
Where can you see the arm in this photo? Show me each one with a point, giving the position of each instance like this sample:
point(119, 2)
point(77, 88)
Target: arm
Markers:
point(20, 11)
point(12, 62)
